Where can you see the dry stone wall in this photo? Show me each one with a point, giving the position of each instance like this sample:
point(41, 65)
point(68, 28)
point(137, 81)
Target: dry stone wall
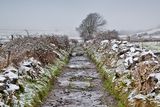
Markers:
point(134, 72)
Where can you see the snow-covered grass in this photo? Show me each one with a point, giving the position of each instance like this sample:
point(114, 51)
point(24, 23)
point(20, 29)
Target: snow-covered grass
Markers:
point(154, 46)
point(27, 85)
point(35, 92)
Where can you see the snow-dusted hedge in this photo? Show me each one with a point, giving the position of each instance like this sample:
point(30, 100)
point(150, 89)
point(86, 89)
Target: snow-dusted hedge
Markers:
point(134, 73)
point(33, 64)
point(28, 84)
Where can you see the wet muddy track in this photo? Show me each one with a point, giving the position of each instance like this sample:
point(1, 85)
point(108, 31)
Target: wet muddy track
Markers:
point(79, 85)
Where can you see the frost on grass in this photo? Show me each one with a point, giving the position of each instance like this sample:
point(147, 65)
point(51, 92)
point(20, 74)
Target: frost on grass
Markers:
point(133, 71)
point(33, 61)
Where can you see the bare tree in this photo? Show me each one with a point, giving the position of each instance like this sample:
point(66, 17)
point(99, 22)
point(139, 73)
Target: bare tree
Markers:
point(90, 25)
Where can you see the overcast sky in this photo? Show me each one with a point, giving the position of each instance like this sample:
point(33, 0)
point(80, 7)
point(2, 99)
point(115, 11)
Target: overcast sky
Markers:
point(64, 15)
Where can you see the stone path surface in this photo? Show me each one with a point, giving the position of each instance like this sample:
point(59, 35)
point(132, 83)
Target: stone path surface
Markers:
point(79, 85)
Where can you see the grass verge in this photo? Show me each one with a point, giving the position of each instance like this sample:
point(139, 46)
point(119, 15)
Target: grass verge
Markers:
point(107, 82)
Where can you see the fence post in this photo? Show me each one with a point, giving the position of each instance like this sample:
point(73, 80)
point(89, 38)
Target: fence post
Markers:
point(12, 37)
point(8, 58)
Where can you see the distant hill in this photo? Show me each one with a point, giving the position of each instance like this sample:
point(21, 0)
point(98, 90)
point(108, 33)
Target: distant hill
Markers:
point(127, 32)
point(154, 31)
point(147, 35)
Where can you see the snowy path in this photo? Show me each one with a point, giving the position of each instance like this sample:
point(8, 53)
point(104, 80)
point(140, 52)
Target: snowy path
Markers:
point(79, 85)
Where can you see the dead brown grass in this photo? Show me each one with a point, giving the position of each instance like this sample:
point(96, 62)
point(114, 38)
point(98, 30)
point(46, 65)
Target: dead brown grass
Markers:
point(41, 48)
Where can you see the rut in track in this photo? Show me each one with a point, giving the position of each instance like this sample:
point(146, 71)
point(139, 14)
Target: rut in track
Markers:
point(79, 85)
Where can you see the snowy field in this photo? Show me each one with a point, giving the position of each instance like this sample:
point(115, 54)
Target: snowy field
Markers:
point(154, 46)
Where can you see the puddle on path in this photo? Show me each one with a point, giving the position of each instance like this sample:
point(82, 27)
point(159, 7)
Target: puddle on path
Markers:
point(79, 85)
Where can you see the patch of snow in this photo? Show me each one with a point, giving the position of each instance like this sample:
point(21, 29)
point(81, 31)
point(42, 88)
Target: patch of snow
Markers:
point(1, 84)
point(115, 47)
point(113, 41)
point(124, 42)
point(129, 45)
point(127, 81)
point(12, 87)
point(24, 69)
point(135, 59)
point(150, 62)
point(128, 60)
point(34, 61)
point(155, 75)
point(74, 54)
point(151, 94)
point(148, 52)
point(10, 75)
point(104, 42)
point(52, 44)
point(133, 54)
point(89, 41)
point(3, 105)
point(140, 96)
point(132, 94)
point(10, 68)
point(132, 49)
point(157, 97)
point(27, 63)
point(6, 92)
point(2, 78)
point(121, 56)
point(156, 62)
